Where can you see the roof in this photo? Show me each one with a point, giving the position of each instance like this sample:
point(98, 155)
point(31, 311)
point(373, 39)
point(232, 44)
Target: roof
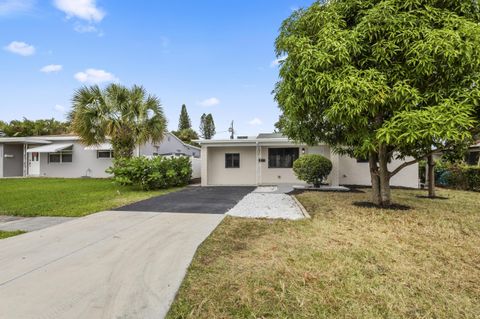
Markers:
point(187, 145)
point(24, 140)
point(52, 148)
point(260, 139)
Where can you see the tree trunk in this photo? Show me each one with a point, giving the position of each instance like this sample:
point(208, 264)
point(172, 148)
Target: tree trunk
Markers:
point(384, 176)
point(372, 161)
point(431, 176)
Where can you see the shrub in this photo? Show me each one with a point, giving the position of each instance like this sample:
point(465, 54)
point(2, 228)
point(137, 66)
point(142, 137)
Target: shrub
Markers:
point(312, 168)
point(462, 177)
point(152, 173)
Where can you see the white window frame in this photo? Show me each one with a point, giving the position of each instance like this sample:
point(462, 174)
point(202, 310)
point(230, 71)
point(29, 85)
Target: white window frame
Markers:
point(105, 151)
point(61, 153)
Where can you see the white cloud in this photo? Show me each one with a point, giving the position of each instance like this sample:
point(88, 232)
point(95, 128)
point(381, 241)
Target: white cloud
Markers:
point(15, 6)
point(60, 108)
point(82, 9)
point(81, 28)
point(51, 68)
point(94, 76)
point(21, 48)
point(210, 102)
point(276, 62)
point(255, 121)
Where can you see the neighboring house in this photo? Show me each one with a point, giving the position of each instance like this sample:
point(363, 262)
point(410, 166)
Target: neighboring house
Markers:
point(66, 156)
point(473, 156)
point(267, 160)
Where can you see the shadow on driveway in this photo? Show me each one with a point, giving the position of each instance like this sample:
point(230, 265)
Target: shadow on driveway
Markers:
point(193, 199)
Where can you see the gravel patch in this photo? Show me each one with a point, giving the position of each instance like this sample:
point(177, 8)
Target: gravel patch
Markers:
point(267, 205)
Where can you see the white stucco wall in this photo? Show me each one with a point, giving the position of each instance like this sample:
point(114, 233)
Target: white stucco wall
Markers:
point(276, 175)
point(219, 175)
point(1, 160)
point(353, 173)
point(84, 163)
point(170, 144)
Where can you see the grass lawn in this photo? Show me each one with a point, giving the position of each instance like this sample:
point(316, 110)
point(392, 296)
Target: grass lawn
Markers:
point(65, 197)
point(6, 234)
point(346, 262)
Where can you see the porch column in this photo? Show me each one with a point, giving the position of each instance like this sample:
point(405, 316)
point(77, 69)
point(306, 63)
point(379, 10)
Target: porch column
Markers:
point(25, 160)
point(204, 172)
point(335, 174)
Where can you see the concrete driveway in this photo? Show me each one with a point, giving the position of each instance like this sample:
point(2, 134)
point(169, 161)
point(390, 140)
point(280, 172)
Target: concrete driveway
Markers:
point(106, 265)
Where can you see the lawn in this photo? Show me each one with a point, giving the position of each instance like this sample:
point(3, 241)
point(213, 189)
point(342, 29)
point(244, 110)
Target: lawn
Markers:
point(65, 197)
point(6, 234)
point(345, 262)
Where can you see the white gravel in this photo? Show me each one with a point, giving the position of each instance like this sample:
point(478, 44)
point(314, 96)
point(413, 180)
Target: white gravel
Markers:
point(267, 205)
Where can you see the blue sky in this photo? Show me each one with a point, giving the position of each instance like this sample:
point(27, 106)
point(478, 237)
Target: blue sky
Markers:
point(215, 56)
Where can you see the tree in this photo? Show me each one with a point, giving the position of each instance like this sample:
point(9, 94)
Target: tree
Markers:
point(207, 126)
point(184, 120)
point(128, 116)
point(187, 136)
point(27, 127)
point(381, 79)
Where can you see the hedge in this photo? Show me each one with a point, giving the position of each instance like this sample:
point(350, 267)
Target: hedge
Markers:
point(152, 173)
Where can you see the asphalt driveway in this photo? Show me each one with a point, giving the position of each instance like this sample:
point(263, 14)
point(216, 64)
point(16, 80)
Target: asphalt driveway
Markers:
point(194, 199)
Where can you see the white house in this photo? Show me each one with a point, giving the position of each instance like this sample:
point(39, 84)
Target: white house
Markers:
point(268, 158)
point(66, 156)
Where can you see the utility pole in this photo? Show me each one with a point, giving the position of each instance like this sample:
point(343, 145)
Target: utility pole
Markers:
point(231, 130)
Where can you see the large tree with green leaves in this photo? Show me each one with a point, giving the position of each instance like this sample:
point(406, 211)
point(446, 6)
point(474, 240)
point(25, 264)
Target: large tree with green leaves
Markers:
point(207, 126)
point(127, 116)
point(184, 122)
point(381, 79)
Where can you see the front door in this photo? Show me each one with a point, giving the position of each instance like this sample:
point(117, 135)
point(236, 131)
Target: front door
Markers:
point(34, 164)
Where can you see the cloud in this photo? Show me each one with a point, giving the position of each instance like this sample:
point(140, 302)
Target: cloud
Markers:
point(8, 7)
point(94, 76)
point(51, 68)
point(210, 102)
point(81, 28)
point(59, 108)
point(20, 48)
point(255, 121)
point(82, 9)
point(277, 62)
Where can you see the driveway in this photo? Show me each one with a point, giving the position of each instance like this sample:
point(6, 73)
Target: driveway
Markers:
point(106, 265)
point(206, 200)
point(114, 264)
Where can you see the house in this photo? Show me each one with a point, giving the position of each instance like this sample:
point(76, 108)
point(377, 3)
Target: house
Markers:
point(473, 155)
point(267, 159)
point(66, 156)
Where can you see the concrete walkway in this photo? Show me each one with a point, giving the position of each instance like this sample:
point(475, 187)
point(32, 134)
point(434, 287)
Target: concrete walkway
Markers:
point(11, 223)
point(108, 265)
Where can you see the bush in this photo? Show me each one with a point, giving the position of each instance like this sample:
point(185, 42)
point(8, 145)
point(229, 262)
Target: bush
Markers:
point(462, 177)
point(312, 168)
point(152, 173)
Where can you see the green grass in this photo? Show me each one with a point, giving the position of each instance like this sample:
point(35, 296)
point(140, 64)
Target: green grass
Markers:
point(345, 262)
point(6, 234)
point(65, 197)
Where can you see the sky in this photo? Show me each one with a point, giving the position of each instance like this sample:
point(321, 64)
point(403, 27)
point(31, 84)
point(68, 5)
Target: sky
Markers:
point(215, 56)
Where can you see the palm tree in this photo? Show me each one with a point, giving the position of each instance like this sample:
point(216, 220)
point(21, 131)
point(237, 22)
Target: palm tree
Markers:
point(128, 117)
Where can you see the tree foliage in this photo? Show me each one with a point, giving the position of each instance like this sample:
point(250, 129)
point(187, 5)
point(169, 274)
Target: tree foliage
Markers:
point(187, 136)
point(207, 126)
point(28, 127)
point(184, 122)
point(381, 78)
point(127, 116)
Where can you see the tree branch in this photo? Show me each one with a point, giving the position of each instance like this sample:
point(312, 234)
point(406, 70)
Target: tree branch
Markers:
point(399, 168)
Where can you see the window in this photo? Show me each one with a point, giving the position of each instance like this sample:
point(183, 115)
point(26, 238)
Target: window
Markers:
point(282, 157)
point(65, 156)
point(105, 154)
point(473, 158)
point(232, 160)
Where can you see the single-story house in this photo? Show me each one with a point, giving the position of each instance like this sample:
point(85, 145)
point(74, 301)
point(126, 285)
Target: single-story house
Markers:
point(473, 155)
point(267, 159)
point(66, 156)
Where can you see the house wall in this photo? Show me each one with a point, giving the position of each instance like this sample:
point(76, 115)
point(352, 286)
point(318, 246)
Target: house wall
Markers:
point(353, 173)
point(276, 175)
point(84, 163)
point(219, 175)
point(12, 166)
point(169, 144)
